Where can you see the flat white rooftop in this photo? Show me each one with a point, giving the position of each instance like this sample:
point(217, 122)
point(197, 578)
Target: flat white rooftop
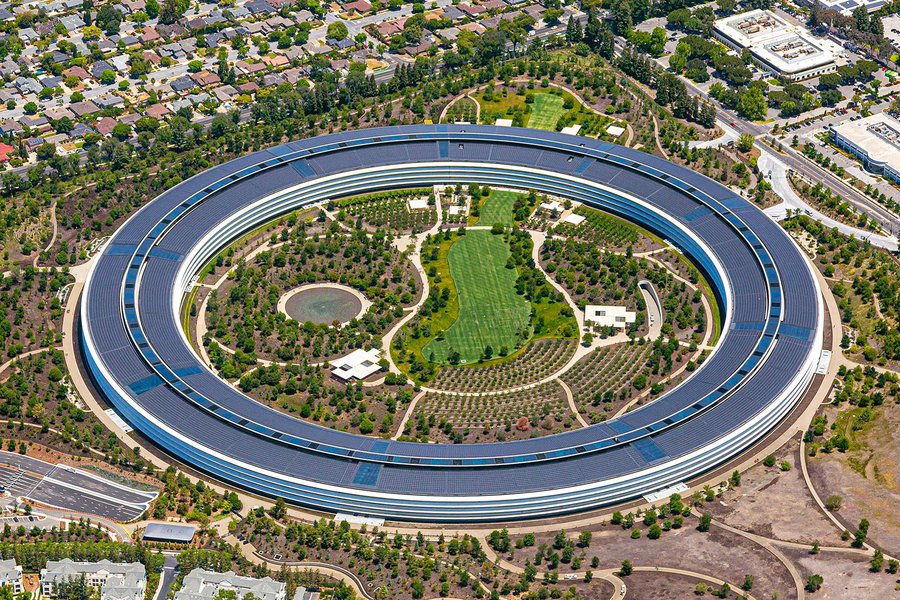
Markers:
point(418, 203)
point(846, 6)
point(359, 364)
point(609, 316)
point(573, 219)
point(877, 135)
point(752, 27)
point(793, 53)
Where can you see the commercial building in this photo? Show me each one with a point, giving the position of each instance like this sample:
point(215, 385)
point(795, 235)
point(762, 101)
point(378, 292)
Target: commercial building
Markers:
point(778, 46)
point(116, 581)
point(11, 575)
point(201, 584)
point(875, 140)
point(770, 305)
point(846, 7)
point(743, 31)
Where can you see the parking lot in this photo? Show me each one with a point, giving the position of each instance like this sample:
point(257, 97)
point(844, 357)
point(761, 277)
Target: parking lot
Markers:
point(64, 487)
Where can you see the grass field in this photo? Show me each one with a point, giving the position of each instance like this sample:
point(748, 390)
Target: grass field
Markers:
point(498, 208)
point(490, 311)
point(546, 111)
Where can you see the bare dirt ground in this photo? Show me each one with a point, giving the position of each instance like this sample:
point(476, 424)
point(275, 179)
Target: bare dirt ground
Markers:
point(846, 577)
point(643, 585)
point(597, 589)
point(777, 504)
point(717, 553)
point(867, 478)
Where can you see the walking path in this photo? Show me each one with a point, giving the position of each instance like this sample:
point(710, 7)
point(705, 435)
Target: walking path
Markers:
point(415, 257)
point(409, 412)
point(52, 241)
point(18, 357)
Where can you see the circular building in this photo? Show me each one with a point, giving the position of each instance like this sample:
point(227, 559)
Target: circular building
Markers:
point(137, 353)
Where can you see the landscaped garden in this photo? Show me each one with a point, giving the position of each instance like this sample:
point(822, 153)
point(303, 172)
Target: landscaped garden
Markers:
point(390, 210)
point(549, 108)
point(609, 378)
point(486, 299)
point(538, 410)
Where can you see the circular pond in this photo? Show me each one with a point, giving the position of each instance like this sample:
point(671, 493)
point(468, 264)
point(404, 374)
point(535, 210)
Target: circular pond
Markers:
point(323, 304)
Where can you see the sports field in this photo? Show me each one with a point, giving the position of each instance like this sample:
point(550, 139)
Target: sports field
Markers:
point(498, 208)
point(490, 311)
point(546, 111)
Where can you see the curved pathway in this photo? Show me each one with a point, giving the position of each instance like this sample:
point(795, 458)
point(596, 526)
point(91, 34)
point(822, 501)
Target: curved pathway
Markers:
point(18, 357)
point(415, 257)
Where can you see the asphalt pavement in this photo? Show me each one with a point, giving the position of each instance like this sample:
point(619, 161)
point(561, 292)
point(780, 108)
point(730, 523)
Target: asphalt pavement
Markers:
point(65, 487)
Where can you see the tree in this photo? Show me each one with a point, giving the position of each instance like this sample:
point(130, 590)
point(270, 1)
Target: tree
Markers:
point(46, 151)
point(626, 569)
point(109, 19)
point(337, 30)
point(745, 144)
point(705, 522)
point(121, 131)
point(859, 536)
point(752, 105)
point(108, 77)
point(833, 502)
point(861, 16)
point(814, 583)
point(152, 8)
point(171, 11)
point(279, 509)
point(621, 17)
point(726, 6)
point(877, 562)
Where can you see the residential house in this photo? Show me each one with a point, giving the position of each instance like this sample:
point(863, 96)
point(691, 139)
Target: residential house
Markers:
point(10, 572)
point(201, 584)
point(115, 581)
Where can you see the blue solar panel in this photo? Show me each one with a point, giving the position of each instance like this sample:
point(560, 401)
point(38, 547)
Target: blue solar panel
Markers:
point(302, 167)
point(158, 252)
point(801, 333)
point(146, 384)
point(120, 249)
point(648, 449)
point(697, 213)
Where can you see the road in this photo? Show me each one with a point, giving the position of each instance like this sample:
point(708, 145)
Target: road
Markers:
point(71, 489)
point(774, 169)
point(733, 125)
point(167, 576)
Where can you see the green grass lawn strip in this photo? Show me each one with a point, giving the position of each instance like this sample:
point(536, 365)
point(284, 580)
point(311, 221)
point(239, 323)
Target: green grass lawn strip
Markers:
point(498, 208)
point(546, 111)
point(490, 311)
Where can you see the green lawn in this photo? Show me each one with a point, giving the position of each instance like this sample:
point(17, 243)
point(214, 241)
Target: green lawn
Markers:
point(490, 311)
point(498, 208)
point(546, 111)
